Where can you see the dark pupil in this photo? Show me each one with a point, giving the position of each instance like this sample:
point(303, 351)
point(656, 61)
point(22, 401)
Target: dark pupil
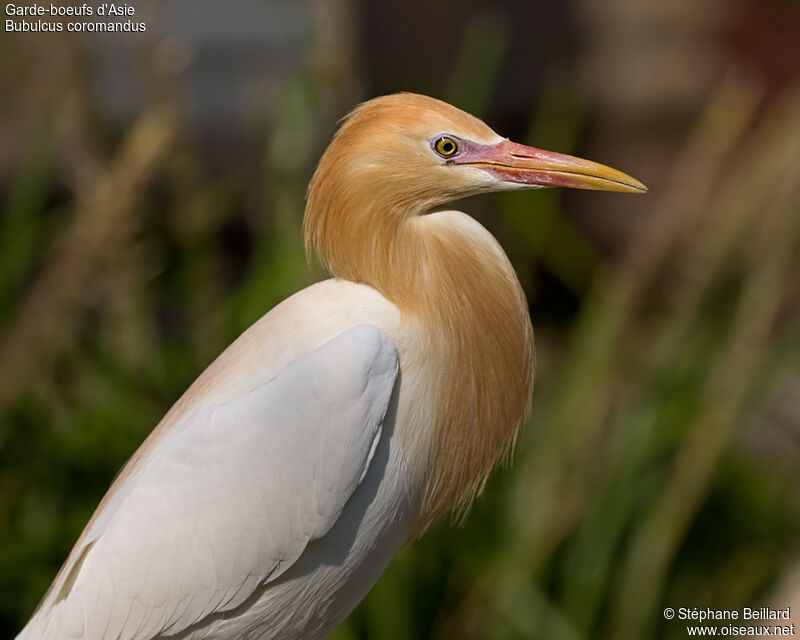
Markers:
point(447, 146)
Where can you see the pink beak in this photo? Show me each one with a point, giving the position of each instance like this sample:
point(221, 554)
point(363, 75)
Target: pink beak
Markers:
point(518, 163)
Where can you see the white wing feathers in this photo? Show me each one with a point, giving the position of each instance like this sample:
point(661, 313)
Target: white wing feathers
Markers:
point(230, 499)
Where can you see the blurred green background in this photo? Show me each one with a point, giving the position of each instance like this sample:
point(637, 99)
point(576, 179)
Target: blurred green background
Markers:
point(152, 196)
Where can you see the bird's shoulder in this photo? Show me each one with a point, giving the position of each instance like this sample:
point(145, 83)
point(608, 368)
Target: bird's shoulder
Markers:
point(288, 332)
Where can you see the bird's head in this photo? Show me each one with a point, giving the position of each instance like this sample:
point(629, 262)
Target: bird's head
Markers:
point(403, 155)
point(420, 153)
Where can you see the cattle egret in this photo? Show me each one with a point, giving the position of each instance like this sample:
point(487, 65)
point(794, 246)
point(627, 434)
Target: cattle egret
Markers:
point(274, 493)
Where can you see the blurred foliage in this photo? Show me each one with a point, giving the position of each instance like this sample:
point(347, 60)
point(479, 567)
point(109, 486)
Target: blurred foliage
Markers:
point(647, 476)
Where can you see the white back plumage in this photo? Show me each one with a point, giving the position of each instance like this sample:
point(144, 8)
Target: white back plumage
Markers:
point(228, 499)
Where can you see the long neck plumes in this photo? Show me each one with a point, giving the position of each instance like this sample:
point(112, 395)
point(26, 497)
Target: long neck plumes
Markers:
point(446, 272)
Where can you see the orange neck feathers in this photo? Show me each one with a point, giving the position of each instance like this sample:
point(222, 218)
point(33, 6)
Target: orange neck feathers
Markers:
point(367, 220)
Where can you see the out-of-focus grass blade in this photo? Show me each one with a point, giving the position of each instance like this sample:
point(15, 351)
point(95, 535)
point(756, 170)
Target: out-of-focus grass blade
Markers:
point(481, 53)
point(21, 222)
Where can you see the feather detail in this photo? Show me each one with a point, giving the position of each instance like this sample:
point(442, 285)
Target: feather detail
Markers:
point(442, 269)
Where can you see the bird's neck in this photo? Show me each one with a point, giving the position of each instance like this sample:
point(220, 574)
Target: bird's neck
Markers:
point(447, 272)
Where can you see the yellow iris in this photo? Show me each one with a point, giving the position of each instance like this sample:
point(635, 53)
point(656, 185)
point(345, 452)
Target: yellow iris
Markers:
point(445, 146)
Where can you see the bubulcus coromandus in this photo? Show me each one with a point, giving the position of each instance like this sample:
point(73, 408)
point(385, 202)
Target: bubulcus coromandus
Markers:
point(274, 493)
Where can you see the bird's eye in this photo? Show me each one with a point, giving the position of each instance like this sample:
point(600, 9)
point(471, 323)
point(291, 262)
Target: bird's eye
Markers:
point(445, 146)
